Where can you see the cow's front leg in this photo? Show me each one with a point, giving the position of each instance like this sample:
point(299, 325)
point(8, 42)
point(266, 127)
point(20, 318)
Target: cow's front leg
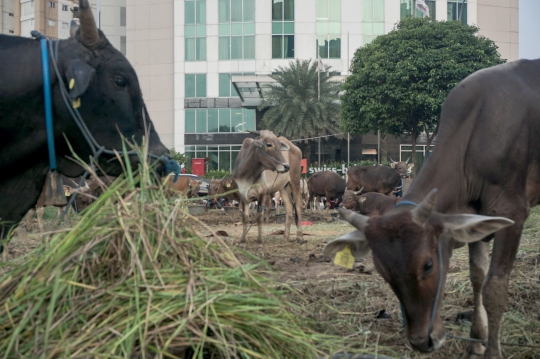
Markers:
point(478, 263)
point(495, 291)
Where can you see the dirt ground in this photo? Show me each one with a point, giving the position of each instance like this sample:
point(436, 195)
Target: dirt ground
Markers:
point(350, 303)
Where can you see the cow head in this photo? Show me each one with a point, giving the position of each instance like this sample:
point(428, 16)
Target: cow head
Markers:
point(350, 199)
point(405, 252)
point(403, 168)
point(259, 154)
point(194, 187)
point(103, 83)
point(213, 187)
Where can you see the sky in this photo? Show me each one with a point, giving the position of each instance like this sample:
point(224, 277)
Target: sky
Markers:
point(529, 29)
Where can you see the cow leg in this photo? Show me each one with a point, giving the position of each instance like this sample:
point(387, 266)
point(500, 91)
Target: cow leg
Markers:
point(40, 211)
point(260, 217)
point(478, 263)
point(287, 201)
point(298, 204)
point(30, 219)
point(495, 291)
point(244, 209)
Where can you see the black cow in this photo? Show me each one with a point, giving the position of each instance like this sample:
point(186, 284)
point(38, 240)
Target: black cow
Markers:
point(379, 179)
point(325, 184)
point(98, 76)
point(478, 185)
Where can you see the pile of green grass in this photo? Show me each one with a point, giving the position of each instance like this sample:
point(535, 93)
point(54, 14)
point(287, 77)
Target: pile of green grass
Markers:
point(131, 279)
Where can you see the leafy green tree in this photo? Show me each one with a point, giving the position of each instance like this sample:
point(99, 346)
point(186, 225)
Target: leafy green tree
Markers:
point(292, 106)
point(179, 157)
point(399, 81)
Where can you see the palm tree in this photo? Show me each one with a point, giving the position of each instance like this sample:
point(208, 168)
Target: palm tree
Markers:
point(292, 107)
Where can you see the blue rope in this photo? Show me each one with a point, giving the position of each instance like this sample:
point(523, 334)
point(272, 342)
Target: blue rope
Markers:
point(402, 203)
point(48, 101)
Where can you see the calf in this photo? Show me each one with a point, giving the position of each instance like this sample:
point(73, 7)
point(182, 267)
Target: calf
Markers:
point(369, 204)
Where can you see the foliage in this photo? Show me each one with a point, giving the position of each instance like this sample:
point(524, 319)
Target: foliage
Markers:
point(179, 157)
point(399, 82)
point(217, 174)
point(292, 107)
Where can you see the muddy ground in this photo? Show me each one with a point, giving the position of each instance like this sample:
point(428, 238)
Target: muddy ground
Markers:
point(349, 302)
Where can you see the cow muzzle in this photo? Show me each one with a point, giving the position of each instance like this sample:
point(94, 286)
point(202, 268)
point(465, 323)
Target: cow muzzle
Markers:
point(427, 344)
point(283, 168)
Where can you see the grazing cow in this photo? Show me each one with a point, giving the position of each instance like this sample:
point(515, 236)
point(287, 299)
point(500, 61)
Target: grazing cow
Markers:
point(478, 185)
point(184, 184)
point(98, 78)
point(369, 204)
point(379, 179)
point(325, 184)
point(85, 197)
point(257, 156)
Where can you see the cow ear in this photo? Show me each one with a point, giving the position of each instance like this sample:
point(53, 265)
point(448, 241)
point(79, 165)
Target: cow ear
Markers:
point(356, 241)
point(410, 165)
point(469, 228)
point(284, 146)
point(78, 75)
point(393, 164)
point(362, 199)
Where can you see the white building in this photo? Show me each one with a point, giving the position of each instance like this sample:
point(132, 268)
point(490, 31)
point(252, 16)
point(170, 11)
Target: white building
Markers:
point(186, 51)
point(6, 17)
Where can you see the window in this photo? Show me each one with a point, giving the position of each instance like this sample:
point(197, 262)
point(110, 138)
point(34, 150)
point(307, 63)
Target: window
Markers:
point(221, 120)
point(220, 156)
point(11, 31)
point(408, 6)
point(64, 25)
point(372, 20)
point(52, 23)
point(52, 5)
point(122, 16)
point(10, 14)
point(123, 45)
point(457, 10)
point(195, 30)
point(282, 29)
point(64, 8)
point(328, 26)
point(236, 29)
point(195, 85)
point(226, 88)
point(32, 3)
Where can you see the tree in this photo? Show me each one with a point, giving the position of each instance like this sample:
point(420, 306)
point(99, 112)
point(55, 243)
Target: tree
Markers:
point(399, 81)
point(292, 107)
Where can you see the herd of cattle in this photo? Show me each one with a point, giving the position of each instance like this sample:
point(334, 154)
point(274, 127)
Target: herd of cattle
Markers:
point(477, 186)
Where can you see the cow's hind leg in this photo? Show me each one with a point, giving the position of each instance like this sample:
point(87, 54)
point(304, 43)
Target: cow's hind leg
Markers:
point(40, 211)
point(244, 209)
point(478, 263)
point(287, 201)
point(495, 291)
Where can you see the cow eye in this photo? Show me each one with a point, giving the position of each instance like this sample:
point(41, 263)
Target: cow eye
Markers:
point(119, 81)
point(268, 145)
point(428, 267)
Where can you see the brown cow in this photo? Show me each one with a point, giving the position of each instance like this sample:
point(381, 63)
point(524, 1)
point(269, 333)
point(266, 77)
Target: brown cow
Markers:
point(303, 191)
point(379, 179)
point(184, 185)
point(254, 174)
point(485, 166)
point(218, 187)
point(369, 204)
point(325, 184)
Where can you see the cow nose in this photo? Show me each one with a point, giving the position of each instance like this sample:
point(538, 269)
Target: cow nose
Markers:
point(423, 344)
point(287, 167)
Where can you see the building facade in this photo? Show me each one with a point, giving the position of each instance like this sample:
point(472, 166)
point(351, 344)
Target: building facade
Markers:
point(201, 63)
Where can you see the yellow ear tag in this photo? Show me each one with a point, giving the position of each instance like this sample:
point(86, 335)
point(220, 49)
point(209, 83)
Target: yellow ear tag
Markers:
point(76, 103)
point(67, 194)
point(228, 185)
point(71, 84)
point(344, 258)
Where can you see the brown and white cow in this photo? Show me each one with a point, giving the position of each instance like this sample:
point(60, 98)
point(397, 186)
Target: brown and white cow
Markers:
point(369, 204)
point(265, 165)
point(325, 184)
point(478, 185)
point(184, 185)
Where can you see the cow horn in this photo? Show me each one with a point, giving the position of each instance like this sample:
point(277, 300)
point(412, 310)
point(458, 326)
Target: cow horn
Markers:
point(358, 193)
point(421, 213)
point(357, 220)
point(408, 160)
point(392, 159)
point(88, 29)
point(258, 133)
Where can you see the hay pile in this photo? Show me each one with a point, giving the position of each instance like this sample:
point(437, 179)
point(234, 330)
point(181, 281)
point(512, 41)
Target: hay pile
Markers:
point(132, 280)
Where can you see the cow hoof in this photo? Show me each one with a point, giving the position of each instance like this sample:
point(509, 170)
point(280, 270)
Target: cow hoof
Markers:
point(474, 352)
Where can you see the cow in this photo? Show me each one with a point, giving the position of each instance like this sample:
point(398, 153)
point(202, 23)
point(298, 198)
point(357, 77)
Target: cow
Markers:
point(478, 185)
point(369, 204)
point(401, 167)
point(325, 184)
point(98, 79)
point(85, 197)
point(379, 179)
point(282, 158)
point(185, 185)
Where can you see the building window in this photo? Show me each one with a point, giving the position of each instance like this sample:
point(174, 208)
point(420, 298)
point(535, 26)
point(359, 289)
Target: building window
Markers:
point(408, 7)
point(236, 29)
point(11, 31)
point(282, 29)
point(195, 30)
point(221, 157)
point(64, 8)
point(52, 5)
point(52, 23)
point(226, 88)
point(195, 85)
point(457, 10)
point(328, 25)
point(122, 16)
point(372, 20)
point(223, 120)
point(10, 14)
point(123, 45)
point(32, 3)
point(64, 25)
